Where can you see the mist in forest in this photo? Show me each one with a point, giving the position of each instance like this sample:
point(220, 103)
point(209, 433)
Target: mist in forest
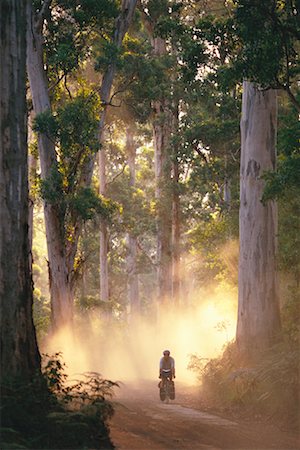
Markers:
point(125, 353)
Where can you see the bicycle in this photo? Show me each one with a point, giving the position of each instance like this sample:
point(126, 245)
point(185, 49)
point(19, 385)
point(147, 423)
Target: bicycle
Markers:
point(166, 387)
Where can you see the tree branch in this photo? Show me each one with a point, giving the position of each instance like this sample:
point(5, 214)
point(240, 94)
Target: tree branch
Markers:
point(200, 154)
point(42, 14)
point(117, 175)
point(146, 254)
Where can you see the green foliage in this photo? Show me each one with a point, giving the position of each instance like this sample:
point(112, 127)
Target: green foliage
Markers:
point(272, 43)
point(263, 49)
point(268, 32)
point(257, 41)
point(60, 416)
point(86, 204)
point(207, 239)
point(41, 314)
point(186, 45)
point(284, 185)
point(77, 121)
point(74, 127)
point(285, 179)
point(268, 387)
point(71, 28)
point(45, 123)
point(109, 53)
point(51, 189)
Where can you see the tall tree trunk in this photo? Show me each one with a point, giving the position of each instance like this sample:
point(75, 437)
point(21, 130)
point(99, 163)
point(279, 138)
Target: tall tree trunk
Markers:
point(176, 234)
point(104, 285)
point(122, 24)
point(133, 278)
point(227, 187)
point(32, 168)
point(61, 292)
point(176, 222)
point(162, 126)
point(19, 352)
point(258, 307)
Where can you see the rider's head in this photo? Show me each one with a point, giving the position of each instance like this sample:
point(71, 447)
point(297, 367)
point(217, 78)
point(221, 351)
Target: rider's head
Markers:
point(166, 353)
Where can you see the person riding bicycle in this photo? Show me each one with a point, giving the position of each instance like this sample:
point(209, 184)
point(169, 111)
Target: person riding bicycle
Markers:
point(166, 373)
point(167, 366)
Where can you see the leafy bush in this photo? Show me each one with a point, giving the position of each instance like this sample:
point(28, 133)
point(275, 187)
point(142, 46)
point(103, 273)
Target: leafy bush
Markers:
point(51, 413)
point(270, 387)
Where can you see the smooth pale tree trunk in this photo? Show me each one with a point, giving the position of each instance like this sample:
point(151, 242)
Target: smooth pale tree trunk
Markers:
point(61, 292)
point(162, 127)
point(122, 24)
point(258, 324)
point(131, 260)
point(104, 284)
point(32, 170)
point(19, 352)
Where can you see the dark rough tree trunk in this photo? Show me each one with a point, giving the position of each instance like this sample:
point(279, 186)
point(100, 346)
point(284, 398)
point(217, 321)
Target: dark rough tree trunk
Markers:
point(258, 307)
point(19, 351)
point(176, 223)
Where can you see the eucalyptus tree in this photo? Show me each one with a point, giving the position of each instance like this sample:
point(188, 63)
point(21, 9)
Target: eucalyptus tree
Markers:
point(274, 44)
point(162, 130)
point(263, 49)
point(207, 141)
point(19, 353)
point(132, 246)
point(109, 63)
point(59, 38)
point(175, 57)
point(258, 308)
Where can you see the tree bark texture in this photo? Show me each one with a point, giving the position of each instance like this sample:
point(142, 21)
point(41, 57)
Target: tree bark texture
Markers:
point(131, 260)
point(258, 306)
point(61, 291)
point(176, 229)
point(104, 282)
point(162, 127)
point(19, 352)
point(32, 170)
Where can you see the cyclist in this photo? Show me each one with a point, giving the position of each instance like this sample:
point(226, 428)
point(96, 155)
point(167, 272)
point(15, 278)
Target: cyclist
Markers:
point(166, 372)
point(166, 366)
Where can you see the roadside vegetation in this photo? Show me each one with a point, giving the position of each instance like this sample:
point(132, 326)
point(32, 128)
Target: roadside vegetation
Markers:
point(52, 412)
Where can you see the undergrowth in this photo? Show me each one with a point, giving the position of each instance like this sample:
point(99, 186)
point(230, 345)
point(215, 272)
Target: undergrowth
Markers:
point(268, 387)
point(51, 412)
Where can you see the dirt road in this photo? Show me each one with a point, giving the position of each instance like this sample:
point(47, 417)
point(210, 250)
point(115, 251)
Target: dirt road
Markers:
point(142, 422)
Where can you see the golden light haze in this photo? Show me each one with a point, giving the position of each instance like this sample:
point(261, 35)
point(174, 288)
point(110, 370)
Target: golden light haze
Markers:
point(130, 353)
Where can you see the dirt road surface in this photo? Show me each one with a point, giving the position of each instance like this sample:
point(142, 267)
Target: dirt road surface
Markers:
point(143, 422)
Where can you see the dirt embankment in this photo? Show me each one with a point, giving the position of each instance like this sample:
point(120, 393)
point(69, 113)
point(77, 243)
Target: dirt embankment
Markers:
point(143, 422)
